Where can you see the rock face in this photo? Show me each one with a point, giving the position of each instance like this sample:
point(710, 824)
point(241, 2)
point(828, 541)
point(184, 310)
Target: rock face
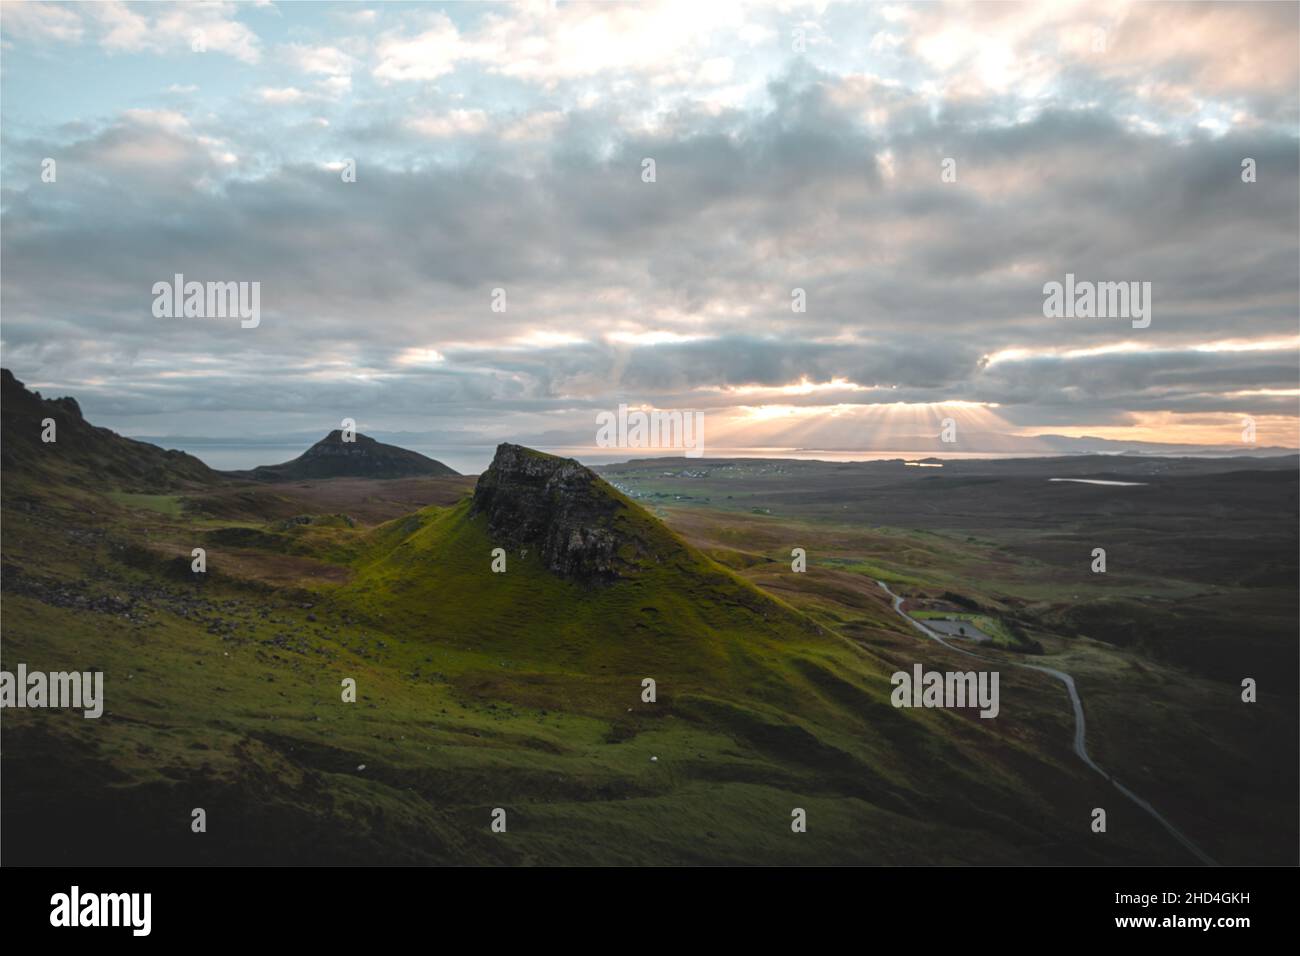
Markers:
point(581, 527)
point(332, 457)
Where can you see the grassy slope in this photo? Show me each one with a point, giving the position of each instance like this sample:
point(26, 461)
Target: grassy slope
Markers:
point(479, 690)
point(1223, 771)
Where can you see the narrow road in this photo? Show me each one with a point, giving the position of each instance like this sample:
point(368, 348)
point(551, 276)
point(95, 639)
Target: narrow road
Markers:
point(1080, 733)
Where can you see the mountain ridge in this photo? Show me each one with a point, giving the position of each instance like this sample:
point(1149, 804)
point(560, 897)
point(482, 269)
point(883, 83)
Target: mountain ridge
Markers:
point(83, 453)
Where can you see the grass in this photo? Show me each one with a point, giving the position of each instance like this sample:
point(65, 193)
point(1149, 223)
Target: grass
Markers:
point(518, 690)
point(1176, 734)
point(170, 505)
point(1000, 634)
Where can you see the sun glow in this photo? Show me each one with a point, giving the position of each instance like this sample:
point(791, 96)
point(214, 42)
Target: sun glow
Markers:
point(1115, 348)
point(886, 425)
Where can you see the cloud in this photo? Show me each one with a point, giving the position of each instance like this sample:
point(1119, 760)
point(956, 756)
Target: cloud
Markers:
point(172, 28)
point(325, 60)
point(451, 123)
point(281, 94)
point(41, 22)
point(546, 44)
point(120, 28)
point(425, 56)
point(492, 152)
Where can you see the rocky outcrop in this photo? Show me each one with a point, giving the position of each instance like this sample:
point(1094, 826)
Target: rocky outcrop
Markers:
point(580, 526)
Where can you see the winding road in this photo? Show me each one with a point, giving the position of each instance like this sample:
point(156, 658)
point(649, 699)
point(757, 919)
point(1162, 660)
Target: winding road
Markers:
point(1080, 737)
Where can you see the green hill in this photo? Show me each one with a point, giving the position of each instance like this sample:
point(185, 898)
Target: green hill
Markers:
point(597, 581)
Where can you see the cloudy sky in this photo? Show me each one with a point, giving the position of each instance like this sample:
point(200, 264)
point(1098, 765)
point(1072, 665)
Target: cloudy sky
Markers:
point(795, 145)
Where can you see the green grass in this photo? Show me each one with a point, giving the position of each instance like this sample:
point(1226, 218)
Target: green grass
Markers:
point(1000, 634)
point(163, 504)
point(878, 572)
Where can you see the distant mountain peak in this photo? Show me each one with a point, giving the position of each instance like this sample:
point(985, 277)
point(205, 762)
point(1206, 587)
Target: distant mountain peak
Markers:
point(336, 438)
point(360, 457)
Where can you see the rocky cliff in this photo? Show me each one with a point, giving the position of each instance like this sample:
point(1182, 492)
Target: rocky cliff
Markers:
point(582, 527)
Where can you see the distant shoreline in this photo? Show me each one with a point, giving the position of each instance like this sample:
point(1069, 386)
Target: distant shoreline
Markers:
point(227, 455)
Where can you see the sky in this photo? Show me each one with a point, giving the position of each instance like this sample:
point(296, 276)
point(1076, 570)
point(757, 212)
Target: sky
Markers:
point(919, 171)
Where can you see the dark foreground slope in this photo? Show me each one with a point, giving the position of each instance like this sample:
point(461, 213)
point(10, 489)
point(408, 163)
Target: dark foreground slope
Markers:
point(524, 690)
